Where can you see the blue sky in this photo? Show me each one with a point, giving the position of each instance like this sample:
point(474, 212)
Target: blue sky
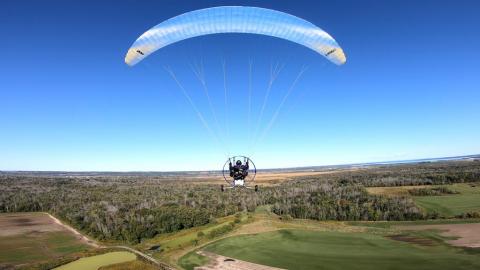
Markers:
point(410, 87)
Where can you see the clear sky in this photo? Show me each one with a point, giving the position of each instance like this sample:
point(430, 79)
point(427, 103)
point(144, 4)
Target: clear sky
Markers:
point(410, 87)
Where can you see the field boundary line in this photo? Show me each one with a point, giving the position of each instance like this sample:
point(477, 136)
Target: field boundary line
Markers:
point(93, 243)
point(89, 241)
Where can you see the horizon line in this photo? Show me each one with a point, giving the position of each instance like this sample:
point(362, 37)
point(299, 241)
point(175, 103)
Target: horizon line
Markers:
point(371, 163)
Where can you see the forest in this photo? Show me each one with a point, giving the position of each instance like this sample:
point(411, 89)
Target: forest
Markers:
point(130, 208)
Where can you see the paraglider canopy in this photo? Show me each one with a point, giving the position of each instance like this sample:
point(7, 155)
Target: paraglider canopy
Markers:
point(235, 19)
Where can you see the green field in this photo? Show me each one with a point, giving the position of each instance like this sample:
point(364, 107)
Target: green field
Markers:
point(191, 260)
point(174, 245)
point(184, 237)
point(390, 224)
point(95, 262)
point(35, 247)
point(297, 249)
point(467, 200)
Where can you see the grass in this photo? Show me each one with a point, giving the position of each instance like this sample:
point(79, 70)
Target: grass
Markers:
point(393, 191)
point(35, 247)
point(132, 265)
point(446, 206)
point(177, 244)
point(192, 260)
point(339, 250)
point(259, 222)
point(390, 224)
point(95, 262)
point(467, 200)
point(183, 238)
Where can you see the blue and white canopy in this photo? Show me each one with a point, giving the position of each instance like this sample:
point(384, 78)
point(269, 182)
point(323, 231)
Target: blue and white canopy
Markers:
point(235, 19)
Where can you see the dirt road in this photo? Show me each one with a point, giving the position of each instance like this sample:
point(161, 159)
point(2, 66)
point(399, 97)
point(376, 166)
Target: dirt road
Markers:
point(84, 238)
point(218, 262)
point(96, 245)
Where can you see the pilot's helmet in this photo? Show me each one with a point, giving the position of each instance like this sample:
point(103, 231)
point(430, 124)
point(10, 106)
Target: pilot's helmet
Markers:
point(239, 162)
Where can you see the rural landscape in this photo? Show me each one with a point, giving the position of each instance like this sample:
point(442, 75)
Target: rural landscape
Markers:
point(240, 135)
point(424, 215)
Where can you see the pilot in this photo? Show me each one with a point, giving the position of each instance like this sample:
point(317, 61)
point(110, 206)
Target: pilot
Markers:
point(239, 172)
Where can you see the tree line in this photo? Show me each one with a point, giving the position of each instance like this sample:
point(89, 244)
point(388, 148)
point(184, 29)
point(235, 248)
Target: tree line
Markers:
point(132, 208)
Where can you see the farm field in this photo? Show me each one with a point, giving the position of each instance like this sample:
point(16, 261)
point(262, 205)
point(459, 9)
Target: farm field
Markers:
point(465, 235)
point(340, 250)
point(467, 199)
point(27, 238)
point(95, 262)
point(175, 246)
point(396, 224)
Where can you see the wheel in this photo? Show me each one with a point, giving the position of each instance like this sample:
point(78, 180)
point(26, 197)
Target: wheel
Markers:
point(256, 188)
point(221, 188)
